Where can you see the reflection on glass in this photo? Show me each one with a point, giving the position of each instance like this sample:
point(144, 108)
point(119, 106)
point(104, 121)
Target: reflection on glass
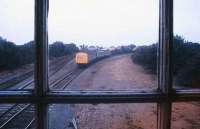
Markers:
point(103, 45)
point(186, 49)
point(16, 44)
point(103, 116)
point(17, 116)
point(185, 115)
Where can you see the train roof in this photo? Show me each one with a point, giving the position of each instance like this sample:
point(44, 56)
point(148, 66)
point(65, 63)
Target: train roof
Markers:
point(81, 53)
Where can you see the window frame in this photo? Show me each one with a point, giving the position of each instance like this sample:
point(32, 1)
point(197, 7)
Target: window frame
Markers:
point(164, 96)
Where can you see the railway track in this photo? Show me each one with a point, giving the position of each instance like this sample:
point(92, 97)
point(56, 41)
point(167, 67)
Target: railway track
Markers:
point(17, 116)
point(13, 117)
point(26, 84)
point(25, 78)
point(24, 113)
point(63, 82)
point(30, 81)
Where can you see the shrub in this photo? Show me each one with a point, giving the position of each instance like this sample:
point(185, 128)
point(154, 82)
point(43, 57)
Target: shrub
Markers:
point(13, 56)
point(185, 57)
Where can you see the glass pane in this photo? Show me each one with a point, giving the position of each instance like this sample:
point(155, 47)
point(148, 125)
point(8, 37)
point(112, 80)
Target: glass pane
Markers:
point(17, 116)
point(16, 44)
point(186, 115)
point(186, 52)
point(102, 116)
point(104, 45)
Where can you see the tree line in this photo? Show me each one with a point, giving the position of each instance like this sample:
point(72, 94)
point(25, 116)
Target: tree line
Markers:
point(13, 56)
point(125, 49)
point(185, 58)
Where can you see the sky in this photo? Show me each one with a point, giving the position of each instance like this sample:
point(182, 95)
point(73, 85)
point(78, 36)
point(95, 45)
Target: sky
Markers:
point(98, 22)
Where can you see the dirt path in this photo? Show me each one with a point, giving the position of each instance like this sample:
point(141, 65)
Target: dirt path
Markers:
point(119, 73)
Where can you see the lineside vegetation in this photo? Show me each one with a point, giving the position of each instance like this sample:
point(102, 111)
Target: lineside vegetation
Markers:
point(13, 56)
point(185, 57)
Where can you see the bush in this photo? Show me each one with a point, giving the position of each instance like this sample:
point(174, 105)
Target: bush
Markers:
point(13, 56)
point(123, 49)
point(185, 57)
point(58, 49)
point(8, 55)
point(146, 56)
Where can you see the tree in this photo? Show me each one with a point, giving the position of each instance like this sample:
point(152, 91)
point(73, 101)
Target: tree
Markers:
point(185, 58)
point(13, 56)
point(8, 55)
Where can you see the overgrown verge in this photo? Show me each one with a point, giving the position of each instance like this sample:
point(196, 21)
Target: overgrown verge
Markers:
point(185, 57)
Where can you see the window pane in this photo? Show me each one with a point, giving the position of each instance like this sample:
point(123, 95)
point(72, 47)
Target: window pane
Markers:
point(102, 116)
point(17, 116)
point(186, 52)
point(186, 115)
point(16, 44)
point(105, 45)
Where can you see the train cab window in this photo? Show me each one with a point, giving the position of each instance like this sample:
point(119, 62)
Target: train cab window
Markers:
point(153, 85)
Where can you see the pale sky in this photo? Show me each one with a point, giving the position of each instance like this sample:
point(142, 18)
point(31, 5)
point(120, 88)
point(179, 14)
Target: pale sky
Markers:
point(98, 22)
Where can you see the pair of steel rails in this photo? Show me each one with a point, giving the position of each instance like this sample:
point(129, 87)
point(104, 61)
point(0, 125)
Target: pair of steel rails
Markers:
point(17, 110)
point(164, 95)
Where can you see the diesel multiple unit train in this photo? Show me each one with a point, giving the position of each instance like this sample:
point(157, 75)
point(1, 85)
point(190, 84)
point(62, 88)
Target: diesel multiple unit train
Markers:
point(83, 59)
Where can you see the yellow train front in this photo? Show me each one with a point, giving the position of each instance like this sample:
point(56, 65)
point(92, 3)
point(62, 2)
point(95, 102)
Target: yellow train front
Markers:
point(82, 59)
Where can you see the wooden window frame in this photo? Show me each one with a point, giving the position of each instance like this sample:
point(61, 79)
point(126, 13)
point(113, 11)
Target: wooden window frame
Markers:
point(164, 95)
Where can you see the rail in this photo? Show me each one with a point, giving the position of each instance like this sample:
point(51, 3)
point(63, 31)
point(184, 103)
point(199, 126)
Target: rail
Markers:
point(58, 84)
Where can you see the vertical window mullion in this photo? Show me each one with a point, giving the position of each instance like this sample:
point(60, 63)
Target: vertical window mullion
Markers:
point(41, 66)
point(165, 64)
